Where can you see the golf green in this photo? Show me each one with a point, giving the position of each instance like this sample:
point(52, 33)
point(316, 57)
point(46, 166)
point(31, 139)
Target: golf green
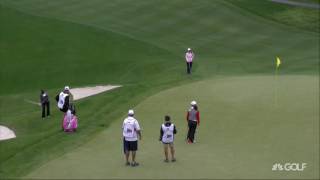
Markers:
point(247, 124)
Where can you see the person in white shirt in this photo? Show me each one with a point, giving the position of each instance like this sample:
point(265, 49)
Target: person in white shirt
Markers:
point(64, 99)
point(189, 58)
point(131, 132)
point(167, 132)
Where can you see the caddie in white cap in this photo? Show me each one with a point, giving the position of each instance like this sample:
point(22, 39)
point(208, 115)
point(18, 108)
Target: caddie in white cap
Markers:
point(189, 59)
point(131, 112)
point(63, 99)
point(130, 131)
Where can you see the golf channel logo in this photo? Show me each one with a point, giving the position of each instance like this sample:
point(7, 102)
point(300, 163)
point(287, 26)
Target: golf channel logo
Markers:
point(289, 167)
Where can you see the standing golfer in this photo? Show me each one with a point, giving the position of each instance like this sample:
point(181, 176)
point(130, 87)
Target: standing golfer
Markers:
point(167, 132)
point(131, 131)
point(45, 103)
point(63, 99)
point(193, 119)
point(189, 59)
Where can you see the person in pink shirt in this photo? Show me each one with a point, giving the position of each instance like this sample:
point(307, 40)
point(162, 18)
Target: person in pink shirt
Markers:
point(189, 59)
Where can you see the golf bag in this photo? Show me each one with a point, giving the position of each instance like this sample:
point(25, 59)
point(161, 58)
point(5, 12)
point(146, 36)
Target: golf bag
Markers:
point(70, 120)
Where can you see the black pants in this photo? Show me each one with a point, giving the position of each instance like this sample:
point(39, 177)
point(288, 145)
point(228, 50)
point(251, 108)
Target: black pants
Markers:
point(192, 130)
point(189, 67)
point(44, 106)
point(64, 109)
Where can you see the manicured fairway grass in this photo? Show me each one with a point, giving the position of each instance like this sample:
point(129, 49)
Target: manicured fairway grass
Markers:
point(242, 134)
point(39, 53)
point(299, 17)
point(140, 45)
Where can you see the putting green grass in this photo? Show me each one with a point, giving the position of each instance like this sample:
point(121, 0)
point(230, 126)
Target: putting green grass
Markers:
point(243, 132)
point(140, 45)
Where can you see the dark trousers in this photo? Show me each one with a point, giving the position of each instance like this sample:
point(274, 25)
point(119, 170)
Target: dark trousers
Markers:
point(189, 67)
point(129, 145)
point(192, 130)
point(64, 109)
point(44, 107)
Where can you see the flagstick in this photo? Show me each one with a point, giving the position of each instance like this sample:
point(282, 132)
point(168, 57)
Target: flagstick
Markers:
point(278, 62)
point(276, 87)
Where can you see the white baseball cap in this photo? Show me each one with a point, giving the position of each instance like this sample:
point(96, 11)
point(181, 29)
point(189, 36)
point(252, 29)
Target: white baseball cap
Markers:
point(66, 88)
point(193, 103)
point(189, 49)
point(130, 112)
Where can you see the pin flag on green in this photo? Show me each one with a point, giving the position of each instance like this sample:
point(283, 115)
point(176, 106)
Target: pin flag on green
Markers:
point(278, 62)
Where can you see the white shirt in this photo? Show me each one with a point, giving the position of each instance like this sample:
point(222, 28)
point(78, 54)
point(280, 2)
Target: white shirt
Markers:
point(62, 97)
point(129, 129)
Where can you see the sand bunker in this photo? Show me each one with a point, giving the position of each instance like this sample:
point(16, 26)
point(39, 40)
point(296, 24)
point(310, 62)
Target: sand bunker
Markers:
point(79, 93)
point(6, 133)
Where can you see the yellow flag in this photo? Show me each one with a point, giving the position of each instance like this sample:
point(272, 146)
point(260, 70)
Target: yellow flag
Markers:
point(278, 62)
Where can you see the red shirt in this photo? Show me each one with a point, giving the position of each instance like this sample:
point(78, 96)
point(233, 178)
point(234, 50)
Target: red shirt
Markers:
point(197, 117)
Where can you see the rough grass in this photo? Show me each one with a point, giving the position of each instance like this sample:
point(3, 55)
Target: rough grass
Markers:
point(309, 1)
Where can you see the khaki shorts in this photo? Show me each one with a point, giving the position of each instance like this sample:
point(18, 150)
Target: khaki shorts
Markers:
point(167, 144)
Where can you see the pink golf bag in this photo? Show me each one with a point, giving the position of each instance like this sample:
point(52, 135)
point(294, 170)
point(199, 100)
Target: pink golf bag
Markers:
point(70, 122)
